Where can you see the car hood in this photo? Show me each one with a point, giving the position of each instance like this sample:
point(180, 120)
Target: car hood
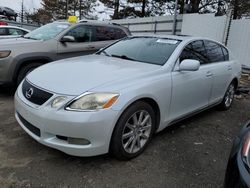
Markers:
point(75, 76)
point(16, 42)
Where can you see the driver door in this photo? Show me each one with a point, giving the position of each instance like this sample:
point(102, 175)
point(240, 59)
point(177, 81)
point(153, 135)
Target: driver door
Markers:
point(83, 44)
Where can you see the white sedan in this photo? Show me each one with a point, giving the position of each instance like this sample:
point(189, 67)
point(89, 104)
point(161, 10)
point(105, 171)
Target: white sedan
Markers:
point(7, 32)
point(115, 100)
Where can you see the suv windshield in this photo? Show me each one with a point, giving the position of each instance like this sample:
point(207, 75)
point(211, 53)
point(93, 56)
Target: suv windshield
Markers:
point(151, 50)
point(48, 31)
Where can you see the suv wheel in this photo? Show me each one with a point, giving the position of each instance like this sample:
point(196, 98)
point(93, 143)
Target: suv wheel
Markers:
point(133, 131)
point(26, 70)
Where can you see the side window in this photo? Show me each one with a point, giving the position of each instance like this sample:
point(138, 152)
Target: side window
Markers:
point(214, 52)
point(225, 52)
point(81, 34)
point(14, 32)
point(3, 31)
point(119, 33)
point(21, 32)
point(195, 50)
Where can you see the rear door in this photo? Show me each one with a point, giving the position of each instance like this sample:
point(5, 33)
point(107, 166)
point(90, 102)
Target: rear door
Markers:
point(191, 90)
point(221, 69)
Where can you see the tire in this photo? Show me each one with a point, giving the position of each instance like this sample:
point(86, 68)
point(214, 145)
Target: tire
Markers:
point(130, 139)
point(26, 70)
point(228, 97)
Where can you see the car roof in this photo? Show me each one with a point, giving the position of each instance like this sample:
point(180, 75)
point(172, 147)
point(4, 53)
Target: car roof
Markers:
point(176, 37)
point(90, 22)
point(13, 27)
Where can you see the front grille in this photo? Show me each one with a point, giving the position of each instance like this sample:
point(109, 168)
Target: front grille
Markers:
point(29, 126)
point(34, 94)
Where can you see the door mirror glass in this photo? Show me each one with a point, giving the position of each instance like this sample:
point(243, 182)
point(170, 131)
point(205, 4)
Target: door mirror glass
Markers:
point(68, 39)
point(189, 65)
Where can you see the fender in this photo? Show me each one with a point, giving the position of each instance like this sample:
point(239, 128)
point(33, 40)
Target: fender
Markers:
point(23, 59)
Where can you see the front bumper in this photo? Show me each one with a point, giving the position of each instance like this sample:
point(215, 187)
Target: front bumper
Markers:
point(96, 127)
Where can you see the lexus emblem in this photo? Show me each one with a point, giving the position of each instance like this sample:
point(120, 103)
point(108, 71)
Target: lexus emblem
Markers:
point(29, 93)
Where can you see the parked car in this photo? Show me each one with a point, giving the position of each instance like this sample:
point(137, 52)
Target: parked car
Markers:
point(7, 12)
point(7, 32)
point(3, 17)
point(51, 42)
point(238, 168)
point(115, 100)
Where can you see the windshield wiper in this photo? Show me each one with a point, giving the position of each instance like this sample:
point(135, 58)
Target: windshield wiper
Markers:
point(124, 57)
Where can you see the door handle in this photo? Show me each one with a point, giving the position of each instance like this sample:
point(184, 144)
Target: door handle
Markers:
point(229, 68)
point(209, 74)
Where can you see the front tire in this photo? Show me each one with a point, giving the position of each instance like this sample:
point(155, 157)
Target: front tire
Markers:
point(26, 70)
point(229, 97)
point(133, 131)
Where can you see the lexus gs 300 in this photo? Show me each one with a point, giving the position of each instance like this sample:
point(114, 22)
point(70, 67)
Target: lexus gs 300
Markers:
point(115, 100)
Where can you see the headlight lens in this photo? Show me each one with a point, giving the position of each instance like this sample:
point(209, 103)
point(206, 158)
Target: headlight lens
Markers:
point(4, 54)
point(58, 102)
point(94, 101)
point(246, 151)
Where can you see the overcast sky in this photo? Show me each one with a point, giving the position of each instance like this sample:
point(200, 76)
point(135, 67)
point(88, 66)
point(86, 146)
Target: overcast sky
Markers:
point(16, 4)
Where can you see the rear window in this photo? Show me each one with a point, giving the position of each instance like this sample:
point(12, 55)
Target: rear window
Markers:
point(151, 50)
point(225, 52)
point(103, 33)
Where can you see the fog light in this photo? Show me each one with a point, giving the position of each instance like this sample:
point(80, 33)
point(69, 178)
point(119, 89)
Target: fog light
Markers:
point(78, 141)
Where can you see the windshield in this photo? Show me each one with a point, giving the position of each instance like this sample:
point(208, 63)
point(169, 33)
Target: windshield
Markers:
point(151, 50)
point(47, 32)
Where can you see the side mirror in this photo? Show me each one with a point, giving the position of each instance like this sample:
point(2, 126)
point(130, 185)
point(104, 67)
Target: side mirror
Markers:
point(67, 39)
point(189, 65)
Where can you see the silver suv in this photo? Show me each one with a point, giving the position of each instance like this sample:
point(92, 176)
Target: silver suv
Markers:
point(52, 42)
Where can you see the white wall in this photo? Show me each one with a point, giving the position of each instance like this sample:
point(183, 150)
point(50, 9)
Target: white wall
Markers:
point(239, 40)
point(160, 24)
point(204, 25)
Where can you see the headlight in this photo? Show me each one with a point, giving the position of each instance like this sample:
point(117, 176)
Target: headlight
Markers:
point(246, 151)
point(57, 102)
point(4, 54)
point(93, 101)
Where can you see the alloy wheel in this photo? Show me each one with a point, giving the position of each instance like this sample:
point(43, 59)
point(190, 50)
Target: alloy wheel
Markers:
point(229, 95)
point(136, 131)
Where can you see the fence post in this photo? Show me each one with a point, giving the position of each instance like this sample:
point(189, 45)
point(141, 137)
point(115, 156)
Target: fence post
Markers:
point(227, 27)
point(175, 17)
point(155, 30)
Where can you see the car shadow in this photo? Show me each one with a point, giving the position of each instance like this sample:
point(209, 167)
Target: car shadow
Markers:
point(7, 91)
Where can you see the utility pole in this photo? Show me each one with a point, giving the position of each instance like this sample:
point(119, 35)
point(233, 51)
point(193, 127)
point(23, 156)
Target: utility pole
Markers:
point(175, 17)
point(22, 11)
point(67, 9)
point(80, 10)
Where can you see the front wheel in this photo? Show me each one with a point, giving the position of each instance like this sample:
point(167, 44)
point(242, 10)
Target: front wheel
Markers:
point(25, 71)
point(229, 97)
point(133, 131)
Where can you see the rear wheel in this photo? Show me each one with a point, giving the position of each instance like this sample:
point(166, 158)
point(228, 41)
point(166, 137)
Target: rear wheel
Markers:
point(133, 131)
point(26, 70)
point(229, 97)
